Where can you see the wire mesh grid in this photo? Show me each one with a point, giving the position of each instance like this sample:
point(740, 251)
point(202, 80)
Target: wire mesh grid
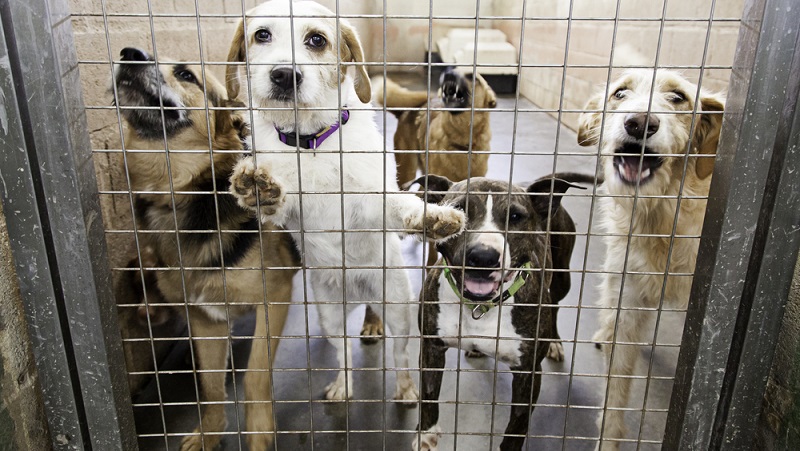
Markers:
point(191, 245)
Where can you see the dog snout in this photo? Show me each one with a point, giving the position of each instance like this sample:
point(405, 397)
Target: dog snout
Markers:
point(636, 123)
point(284, 77)
point(483, 257)
point(133, 54)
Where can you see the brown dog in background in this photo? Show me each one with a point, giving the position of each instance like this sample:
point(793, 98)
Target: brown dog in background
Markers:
point(449, 127)
point(212, 231)
point(454, 152)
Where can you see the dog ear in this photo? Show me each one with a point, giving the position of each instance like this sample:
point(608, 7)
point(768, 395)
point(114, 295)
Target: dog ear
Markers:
point(589, 121)
point(435, 186)
point(540, 194)
point(236, 54)
point(706, 133)
point(351, 51)
point(491, 97)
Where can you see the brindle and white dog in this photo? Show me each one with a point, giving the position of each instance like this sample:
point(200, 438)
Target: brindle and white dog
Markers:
point(188, 187)
point(493, 290)
point(319, 171)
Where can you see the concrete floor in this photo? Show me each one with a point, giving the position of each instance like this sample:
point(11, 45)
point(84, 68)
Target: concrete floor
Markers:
point(571, 390)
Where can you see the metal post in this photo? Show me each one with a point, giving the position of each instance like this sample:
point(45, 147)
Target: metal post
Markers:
point(56, 231)
point(750, 241)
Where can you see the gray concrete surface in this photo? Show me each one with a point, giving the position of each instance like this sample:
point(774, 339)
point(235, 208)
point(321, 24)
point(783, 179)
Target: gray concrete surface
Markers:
point(22, 420)
point(572, 391)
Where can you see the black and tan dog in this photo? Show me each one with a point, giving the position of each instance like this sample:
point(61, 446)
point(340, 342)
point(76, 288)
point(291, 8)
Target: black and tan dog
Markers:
point(188, 187)
point(488, 291)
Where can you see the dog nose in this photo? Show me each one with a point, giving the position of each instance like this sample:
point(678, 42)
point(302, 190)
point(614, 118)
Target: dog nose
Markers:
point(483, 257)
point(635, 125)
point(282, 77)
point(133, 54)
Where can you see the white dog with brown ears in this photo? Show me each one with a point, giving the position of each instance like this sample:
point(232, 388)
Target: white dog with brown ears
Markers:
point(333, 194)
point(643, 157)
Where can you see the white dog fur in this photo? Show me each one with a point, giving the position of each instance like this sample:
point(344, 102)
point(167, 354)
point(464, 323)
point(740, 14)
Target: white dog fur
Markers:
point(631, 95)
point(333, 182)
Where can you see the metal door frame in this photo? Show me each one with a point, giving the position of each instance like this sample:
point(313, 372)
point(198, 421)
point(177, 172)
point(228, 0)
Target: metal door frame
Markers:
point(744, 268)
point(749, 243)
point(56, 231)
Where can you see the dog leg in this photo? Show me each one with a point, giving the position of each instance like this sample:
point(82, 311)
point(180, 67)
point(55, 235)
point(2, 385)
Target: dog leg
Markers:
point(372, 329)
point(630, 327)
point(556, 349)
point(258, 379)
point(433, 360)
point(330, 320)
point(437, 222)
point(399, 319)
point(524, 390)
point(211, 357)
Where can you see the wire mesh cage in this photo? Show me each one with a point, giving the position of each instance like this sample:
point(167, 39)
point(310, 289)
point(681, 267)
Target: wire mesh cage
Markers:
point(549, 60)
point(258, 164)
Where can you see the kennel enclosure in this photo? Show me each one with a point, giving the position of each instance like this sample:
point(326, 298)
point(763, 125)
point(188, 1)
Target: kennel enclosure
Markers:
point(52, 206)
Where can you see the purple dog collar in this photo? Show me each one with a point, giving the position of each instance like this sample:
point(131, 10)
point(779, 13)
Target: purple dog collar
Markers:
point(315, 140)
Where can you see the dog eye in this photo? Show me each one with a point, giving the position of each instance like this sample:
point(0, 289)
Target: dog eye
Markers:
point(263, 35)
point(316, 41)
point(515, 217)
point(677, 97)
point(620, 93)
point(186, 75)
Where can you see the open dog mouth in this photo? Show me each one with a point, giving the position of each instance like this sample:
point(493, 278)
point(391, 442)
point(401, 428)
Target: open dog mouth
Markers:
point(455, 91)
point(627, 166)
point(160, 112)
point(484, 285)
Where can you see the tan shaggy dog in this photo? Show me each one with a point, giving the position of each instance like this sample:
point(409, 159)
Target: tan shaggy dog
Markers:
point(643, 158)
point(189, 185)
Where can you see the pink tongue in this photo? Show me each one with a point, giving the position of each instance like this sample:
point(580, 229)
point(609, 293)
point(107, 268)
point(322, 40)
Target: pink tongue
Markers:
point(479, 287)
point(631, 172)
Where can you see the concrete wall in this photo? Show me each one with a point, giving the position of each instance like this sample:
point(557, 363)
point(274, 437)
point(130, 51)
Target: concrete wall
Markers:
point(22, 422)
point(590, 42)
point(779, 426)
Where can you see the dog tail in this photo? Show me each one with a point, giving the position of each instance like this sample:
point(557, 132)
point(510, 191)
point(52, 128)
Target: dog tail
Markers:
point(576, 177)
point(396, 95)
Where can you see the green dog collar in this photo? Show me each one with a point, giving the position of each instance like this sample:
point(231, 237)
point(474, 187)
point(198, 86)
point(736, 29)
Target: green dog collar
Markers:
point(481, 308)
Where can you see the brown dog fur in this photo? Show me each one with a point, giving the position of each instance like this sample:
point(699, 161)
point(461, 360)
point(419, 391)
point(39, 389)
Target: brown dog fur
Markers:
point(214, 297)
point(449, 131)
point(453, 152)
